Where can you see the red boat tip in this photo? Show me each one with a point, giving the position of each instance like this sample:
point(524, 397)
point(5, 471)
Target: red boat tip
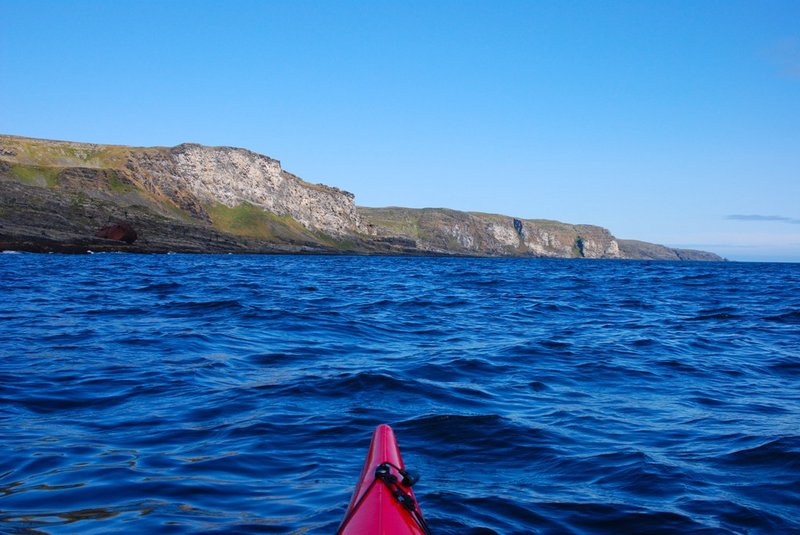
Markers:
point(383, 502)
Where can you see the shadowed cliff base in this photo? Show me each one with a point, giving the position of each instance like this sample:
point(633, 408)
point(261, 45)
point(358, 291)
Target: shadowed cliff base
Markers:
point(58, 196)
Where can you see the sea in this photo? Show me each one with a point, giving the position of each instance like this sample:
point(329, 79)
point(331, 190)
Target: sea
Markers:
point(237, 394)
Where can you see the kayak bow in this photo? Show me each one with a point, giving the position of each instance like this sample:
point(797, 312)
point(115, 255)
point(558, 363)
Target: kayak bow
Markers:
point(383, 502)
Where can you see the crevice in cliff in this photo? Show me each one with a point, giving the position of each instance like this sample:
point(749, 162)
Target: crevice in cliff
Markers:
point(579, 247)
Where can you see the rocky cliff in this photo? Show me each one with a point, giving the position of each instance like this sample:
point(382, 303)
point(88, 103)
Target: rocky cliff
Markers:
point(439, 230)
point(649, 251)
point(65, 196)
point(196, 178)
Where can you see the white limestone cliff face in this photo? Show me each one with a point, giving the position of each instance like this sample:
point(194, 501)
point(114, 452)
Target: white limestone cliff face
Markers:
point(559, 240)
point(543, 243)
point(233, 176)
point(598, 242)
point(195, 175)
point(504, 235)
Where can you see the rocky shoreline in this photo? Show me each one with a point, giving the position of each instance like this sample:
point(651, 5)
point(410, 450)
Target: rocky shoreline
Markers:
point(58, 196)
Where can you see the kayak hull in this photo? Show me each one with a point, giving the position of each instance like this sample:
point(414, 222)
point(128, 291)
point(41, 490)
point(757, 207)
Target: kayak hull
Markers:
point(374, 508)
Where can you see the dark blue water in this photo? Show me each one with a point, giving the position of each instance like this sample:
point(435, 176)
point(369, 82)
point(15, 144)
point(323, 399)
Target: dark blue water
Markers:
point(237, 394)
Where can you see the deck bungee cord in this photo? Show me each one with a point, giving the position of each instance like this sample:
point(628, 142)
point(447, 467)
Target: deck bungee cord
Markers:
point(383, 502)
point(383, 473)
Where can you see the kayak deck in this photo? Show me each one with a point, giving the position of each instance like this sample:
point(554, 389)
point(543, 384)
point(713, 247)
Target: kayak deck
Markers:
point(383, 502)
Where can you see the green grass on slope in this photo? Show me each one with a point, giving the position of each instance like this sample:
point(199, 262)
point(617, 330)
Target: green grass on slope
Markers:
point(36, 175)
point(400, 221)
point(253, 222)
point(117, 185)
point(47, 153)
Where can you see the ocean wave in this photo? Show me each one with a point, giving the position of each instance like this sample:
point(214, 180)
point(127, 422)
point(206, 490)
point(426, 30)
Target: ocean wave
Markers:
point(235, 393)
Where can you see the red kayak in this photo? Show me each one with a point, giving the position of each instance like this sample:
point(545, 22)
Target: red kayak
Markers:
point(383, 502)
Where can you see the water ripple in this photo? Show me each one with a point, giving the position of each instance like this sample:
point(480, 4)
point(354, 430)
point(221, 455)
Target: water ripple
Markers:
point(198, 393)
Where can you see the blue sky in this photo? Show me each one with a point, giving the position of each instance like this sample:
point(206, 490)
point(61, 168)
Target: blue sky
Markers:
point(670, 122)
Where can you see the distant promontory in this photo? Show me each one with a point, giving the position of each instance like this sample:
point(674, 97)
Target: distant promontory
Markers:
point(58, 196)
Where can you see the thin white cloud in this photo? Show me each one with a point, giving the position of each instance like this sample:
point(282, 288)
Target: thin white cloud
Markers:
point(757, 217)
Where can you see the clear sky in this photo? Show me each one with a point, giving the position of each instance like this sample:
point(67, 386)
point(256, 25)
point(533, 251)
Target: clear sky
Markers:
point(675, 122)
